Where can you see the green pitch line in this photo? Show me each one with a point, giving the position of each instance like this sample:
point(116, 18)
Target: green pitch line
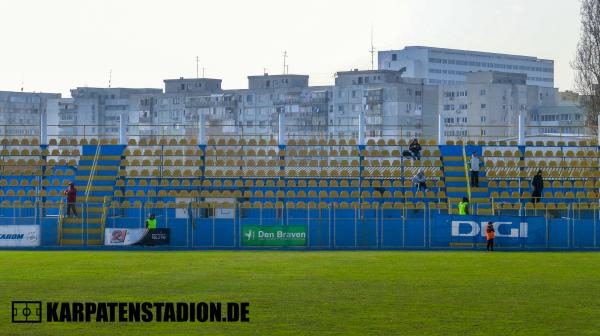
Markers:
point(319, 293)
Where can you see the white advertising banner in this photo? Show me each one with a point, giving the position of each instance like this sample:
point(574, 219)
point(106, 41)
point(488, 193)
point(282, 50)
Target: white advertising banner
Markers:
point(123, 236)
point(19, 235)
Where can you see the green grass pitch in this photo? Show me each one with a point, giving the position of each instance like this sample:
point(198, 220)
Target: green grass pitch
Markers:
point(319, 293)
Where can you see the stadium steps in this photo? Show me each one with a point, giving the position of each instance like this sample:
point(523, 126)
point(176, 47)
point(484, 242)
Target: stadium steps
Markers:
point(456, 178)
point(102, 181)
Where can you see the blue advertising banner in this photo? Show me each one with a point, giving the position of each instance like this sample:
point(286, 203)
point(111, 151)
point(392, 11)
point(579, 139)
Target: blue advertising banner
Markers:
point(469, 231)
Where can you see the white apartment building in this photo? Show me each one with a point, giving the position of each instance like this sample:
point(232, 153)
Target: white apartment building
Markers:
point(488, 105)
point(450, 66)
point(20, 112)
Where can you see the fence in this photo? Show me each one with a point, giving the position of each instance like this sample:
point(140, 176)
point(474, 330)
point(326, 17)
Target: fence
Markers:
point(200, 225)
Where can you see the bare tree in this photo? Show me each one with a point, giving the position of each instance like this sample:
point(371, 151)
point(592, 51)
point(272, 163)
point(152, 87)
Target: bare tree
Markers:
point(587, 62)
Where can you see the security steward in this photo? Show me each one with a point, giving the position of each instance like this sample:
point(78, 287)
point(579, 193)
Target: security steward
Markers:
point(151, 222)
point(463, 207)
point(490, 233)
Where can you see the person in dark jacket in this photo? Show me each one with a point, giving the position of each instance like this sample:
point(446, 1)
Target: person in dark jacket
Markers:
point(538, 185)
point(415, 149)
point(71, 194)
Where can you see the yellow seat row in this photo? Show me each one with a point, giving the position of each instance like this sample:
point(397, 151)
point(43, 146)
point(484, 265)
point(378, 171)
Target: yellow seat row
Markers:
point(159, 152)
point(165, 173)
point(81, 142)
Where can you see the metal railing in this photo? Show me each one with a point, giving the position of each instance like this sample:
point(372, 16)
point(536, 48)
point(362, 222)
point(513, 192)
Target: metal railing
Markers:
point(92, 172)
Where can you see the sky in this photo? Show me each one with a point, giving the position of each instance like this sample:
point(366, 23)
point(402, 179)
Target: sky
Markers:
point(54, 46)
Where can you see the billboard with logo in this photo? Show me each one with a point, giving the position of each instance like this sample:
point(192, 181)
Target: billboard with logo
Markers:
point(123, 237)
point(469, 231)
point(19, 235)
point(284, 235)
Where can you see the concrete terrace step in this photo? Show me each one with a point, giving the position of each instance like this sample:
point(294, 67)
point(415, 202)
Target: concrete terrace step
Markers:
point(452, 158)
point(98, 167)
point(101, 157)
point(456, 189)
point(94, 178)
point(101, 188)
point(73, 220)
point(454, 168)
point(97, 199)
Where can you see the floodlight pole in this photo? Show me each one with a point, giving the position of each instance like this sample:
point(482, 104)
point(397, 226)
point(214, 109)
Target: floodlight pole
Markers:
point(201, 130)
point(521, 128)
point(440, 129)
point(281, 125)
point(123, 129)
point(361, 123)
point(43, 128)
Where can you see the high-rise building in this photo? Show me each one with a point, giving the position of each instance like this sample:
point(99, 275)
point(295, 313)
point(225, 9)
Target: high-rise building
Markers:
point(488, 105)
point(393, 106)
point(450, 66)
point(20, 112)
point(91, 111)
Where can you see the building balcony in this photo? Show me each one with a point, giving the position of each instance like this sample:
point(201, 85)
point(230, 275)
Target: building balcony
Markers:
point(203, 102)
point(145, 120)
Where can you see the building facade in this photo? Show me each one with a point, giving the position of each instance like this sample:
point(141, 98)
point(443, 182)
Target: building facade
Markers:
point(20, 112)
point(566, 116)
point(488, 105)
point(449, 66)
point(91, 112)
point(392, 106)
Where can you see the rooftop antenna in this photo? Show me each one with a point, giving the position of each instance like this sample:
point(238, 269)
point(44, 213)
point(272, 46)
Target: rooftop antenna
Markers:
point(203, 72)
point(197, 60)
point(110, 78)
point(284, 59)
point(372, 51)
point(265, 71)
point(22, 84)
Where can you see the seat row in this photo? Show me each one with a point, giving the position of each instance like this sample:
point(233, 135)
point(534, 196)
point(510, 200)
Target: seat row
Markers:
point(513, 143)
point(268, 183)
point(547, 195)
point(529, 153)
point(540, 164)
point(554, 173)
point(566, 184)
point(281, 194)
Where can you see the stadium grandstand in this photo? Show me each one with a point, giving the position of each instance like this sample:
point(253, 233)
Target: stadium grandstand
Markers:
point(348, 195)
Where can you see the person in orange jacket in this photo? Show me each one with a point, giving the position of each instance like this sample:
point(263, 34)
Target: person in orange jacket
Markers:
point(490, 233)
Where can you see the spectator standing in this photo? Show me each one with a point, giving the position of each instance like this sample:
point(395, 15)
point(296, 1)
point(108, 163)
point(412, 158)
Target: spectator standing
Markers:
point(71, 194)
point(538, 185)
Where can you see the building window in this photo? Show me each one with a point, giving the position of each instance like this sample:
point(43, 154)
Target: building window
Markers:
point(394, 57)
point(483, 106)
point(482, 92)
point(483, 118)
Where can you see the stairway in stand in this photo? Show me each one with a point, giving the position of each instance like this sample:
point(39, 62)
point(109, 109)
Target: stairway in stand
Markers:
point(458, 180)
point(95, 181)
